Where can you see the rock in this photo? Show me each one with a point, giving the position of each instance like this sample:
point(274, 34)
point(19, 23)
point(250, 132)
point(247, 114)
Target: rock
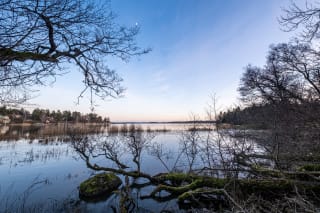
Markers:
point(100, 185)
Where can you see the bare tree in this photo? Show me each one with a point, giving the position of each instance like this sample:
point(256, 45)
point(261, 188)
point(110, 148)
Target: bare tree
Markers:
point(307, 18)
point(14, 96)
point(42, 39)
point(300, 62)
point(137, 142)
point(189, 142)
point(270, 84)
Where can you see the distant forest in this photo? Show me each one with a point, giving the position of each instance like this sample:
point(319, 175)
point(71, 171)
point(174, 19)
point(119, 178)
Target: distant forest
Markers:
point(47, 116)
point(264, 116)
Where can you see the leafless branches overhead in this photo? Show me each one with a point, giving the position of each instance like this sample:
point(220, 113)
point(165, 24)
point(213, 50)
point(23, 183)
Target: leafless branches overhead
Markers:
point(38, 38)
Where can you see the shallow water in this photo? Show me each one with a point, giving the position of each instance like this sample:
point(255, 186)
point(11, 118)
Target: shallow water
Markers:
point(40, 175)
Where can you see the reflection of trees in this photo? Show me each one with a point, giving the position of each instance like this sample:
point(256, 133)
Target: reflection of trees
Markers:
point(48, 133)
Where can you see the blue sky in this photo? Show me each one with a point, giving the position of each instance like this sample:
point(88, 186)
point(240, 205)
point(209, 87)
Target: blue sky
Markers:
point(199, 47)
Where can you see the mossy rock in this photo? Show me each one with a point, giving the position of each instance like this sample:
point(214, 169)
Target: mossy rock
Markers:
point(100, 185)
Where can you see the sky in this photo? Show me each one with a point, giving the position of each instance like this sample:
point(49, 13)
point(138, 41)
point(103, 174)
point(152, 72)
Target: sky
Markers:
point(199, 49)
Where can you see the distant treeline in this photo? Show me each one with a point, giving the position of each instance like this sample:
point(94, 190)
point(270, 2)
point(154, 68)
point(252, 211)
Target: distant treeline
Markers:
point(47, 116)
point(167, 122)
point(247, 116)
point(264, 116)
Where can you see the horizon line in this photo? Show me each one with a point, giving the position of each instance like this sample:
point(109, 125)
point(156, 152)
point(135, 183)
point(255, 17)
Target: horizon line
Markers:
point(149, 122)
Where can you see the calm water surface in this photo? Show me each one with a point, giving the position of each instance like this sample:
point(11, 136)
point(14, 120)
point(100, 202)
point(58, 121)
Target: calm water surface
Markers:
point(39, 175)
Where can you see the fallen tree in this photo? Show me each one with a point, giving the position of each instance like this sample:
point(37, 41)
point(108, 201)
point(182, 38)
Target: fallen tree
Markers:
point(196, 188)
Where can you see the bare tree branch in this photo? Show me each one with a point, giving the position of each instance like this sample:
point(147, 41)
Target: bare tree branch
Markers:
point(37, 38)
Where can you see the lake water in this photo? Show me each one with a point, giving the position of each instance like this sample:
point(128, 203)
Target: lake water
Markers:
point(40, 175)
point(40, 171)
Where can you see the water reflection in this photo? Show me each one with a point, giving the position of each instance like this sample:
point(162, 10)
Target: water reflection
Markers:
point(48, 131)
point(52, 158)
point(43, 131)
point(42, 153)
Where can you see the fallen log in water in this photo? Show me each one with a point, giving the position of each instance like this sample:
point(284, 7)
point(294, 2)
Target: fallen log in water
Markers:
point(188, 188)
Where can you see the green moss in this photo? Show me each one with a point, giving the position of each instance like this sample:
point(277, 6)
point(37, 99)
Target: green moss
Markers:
point(100, 184)
point(196, 183)
point(177, 177)
point(190, 195)
point(196, 187)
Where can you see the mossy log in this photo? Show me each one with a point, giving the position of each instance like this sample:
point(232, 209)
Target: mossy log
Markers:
point(99, 185)
point(197, 182)
point(196, 186)
point(190, 195)
point(175, 178)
